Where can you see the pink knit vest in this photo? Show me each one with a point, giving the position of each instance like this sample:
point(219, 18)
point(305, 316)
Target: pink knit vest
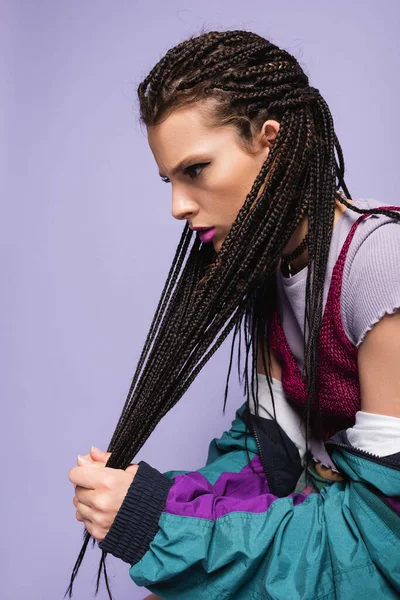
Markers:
point(339, 387)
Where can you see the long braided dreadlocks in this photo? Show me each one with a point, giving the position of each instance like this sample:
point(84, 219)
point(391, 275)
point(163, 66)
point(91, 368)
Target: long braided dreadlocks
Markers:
point(241, 79)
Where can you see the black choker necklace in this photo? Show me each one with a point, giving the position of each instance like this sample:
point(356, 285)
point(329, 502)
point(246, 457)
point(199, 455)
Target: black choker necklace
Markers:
point(288, 258)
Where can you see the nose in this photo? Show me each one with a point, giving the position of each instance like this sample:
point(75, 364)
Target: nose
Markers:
point(183, 207)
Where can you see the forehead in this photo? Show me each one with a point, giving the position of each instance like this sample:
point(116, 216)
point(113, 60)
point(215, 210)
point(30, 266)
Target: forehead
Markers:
point(188, 131)
point(183, 126)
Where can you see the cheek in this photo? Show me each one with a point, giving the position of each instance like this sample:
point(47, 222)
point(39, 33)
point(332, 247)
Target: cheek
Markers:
point(231, 191)
point(229, 185)
point(240, 174)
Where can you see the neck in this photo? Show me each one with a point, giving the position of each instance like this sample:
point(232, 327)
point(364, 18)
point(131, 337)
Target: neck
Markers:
point(301, 231)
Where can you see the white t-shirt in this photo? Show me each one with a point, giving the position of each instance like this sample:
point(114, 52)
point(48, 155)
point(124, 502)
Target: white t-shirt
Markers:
point(370, 289)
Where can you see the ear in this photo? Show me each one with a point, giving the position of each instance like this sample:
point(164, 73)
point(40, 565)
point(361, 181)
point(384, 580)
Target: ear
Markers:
point(269, 131)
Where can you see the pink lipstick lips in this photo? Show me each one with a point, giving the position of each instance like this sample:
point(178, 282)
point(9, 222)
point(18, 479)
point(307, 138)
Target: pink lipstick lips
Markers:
point(206, 234)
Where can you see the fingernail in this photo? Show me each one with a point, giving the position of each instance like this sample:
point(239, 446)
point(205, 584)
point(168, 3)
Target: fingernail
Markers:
point(93, 448)
point(84, 460)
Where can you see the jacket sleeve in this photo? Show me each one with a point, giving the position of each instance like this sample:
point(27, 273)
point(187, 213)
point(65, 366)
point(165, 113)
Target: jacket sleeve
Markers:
point(220, 533)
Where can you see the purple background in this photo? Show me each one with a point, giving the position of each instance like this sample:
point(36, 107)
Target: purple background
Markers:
point(87, 238)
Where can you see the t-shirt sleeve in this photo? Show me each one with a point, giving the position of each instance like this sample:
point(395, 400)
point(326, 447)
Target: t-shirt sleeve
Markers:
point(372, 286)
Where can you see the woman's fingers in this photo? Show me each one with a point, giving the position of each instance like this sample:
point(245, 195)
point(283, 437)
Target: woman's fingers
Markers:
point(85, 458)
point(98, 454)
point(94, 456)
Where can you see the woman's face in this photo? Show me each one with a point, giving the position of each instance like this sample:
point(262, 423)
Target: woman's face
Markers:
point(209, 171)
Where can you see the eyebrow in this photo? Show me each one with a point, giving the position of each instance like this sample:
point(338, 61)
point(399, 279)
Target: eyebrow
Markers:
point(186, 162)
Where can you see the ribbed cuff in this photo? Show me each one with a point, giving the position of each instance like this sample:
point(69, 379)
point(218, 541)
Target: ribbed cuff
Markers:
point(136, 522)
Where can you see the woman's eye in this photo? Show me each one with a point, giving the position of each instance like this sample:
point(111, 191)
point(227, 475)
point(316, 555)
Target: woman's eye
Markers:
point(192, 170)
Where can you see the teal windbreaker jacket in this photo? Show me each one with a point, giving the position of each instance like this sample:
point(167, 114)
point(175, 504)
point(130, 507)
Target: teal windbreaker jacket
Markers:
point(230, 531)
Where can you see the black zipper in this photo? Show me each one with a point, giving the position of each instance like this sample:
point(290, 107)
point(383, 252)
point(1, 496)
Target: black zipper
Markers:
point(370, 502)
point(385, 462)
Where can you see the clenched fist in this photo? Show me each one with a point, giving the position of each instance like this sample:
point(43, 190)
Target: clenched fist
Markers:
point(99, 491)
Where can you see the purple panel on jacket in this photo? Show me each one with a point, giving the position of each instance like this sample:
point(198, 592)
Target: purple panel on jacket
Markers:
point(194, 496)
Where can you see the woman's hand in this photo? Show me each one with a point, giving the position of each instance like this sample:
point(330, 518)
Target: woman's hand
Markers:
point(96, 455)
point(99, 491)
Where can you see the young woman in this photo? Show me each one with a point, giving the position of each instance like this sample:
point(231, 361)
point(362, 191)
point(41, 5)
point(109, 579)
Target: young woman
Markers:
point(301, 497)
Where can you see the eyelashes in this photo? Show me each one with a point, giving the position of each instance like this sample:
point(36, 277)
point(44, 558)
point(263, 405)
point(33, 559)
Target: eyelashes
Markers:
point(190, 171)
